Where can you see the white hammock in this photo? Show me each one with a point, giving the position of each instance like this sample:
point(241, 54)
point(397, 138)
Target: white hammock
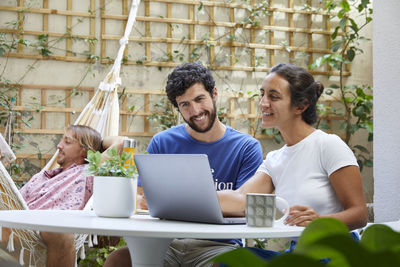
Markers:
point(102, 114)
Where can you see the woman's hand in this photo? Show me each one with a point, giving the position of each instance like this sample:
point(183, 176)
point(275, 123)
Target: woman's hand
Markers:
point(301, 215)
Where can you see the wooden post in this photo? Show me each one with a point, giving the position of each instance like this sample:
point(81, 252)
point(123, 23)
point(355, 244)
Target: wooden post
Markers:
point(169, 32)
point(68, 95)
point(146, 111)
point(148, 31)
point(271, 36)
point(125, 12)
point(69, 30)
point(291, 33)
point(232, 33)
point(92, 31)
point(252, 41)
point(191, 30)
point(102, 32)
point(212, 36)
point(43, 102)
point(21, 18)
point(310, 36)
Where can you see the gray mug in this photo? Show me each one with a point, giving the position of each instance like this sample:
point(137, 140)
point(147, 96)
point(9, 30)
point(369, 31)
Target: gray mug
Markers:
point(261, 209)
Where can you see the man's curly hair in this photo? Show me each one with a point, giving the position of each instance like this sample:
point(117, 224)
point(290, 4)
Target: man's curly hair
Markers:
point(184, 76)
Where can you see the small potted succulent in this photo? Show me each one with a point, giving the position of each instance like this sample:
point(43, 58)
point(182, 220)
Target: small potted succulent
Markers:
point(114, 188)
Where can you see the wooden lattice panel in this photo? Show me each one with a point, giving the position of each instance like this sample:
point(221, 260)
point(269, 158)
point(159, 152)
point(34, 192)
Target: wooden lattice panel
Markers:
point(250, 35)
point(65, 32)
point(55, 107)
point(225, 35)
point(43, 102)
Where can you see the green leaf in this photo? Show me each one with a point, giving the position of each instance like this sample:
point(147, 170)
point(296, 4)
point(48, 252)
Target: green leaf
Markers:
point(327, 238)
point(342, 23)
point(354, 25)
point(351, 54)
point(240, 257)
point(319, 61)
point(353, 128)
point(360, 164)
point(369, 127)
point(362, 149)
point(2, 51)
point(200, 7)
point(370, 136)
point(343, 126)
point(336, 45)
point(359, 111)
point(324, 126)
point(380, 237)
point(368, 163)
point(341, 13)
point(334, 34)
point(278, 138)
point(365, 3)
point(345, 5)
point(319, 229)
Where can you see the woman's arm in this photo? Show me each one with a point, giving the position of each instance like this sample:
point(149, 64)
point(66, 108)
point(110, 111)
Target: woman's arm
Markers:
point(233, 202)
point(348, 187)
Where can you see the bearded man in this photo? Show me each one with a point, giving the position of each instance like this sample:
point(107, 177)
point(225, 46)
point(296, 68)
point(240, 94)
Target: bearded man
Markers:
point(234, 156)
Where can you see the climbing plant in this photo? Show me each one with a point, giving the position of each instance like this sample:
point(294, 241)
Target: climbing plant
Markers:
point(346, 39)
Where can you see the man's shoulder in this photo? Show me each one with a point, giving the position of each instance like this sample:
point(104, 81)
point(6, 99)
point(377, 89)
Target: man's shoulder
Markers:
point(235, 134)
point(173, 131)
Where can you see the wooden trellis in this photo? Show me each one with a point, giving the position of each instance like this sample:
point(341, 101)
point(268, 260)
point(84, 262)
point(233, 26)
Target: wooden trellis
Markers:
point(54, 39)
point(221, 20)
point(192, 40)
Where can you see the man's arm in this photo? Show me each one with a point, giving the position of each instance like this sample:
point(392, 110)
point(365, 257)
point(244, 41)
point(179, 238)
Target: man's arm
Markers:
point(140, 199)
point(110, 142)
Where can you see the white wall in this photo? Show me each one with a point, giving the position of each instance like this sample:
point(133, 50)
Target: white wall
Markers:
point(386, 56)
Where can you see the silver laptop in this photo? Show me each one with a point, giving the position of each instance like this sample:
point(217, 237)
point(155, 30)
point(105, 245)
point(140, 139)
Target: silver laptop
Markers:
point(181, 187)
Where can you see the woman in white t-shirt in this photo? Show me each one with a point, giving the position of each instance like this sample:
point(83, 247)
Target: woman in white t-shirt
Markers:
point(316, 172)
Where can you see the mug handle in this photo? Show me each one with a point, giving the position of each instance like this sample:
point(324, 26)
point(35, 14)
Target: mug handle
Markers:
point(287, 208)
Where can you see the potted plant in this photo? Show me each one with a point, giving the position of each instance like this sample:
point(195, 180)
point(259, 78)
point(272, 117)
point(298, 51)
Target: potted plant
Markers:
point(114, 188)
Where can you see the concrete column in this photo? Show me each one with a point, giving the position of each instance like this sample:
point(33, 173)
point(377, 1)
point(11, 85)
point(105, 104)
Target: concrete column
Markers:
point(386, 74)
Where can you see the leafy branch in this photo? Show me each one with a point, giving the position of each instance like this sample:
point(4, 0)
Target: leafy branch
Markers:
point(357, 100)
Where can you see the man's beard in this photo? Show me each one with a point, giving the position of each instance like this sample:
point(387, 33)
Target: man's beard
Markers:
point(212, 116)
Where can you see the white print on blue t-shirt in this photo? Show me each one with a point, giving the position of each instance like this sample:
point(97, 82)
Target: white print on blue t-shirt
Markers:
point(223, 185)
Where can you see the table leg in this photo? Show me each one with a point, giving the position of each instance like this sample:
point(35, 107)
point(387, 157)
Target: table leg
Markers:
point(147, 251)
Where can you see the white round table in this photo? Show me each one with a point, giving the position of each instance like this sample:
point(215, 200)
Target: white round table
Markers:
point(147, 238)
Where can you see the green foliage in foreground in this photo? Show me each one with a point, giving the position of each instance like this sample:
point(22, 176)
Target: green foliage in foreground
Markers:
point(329, 238)
point(113, 166)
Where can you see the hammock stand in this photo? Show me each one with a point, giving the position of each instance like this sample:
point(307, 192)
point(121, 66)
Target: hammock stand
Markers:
point(102, 114)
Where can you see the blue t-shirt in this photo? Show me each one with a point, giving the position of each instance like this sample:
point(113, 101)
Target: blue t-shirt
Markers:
point(234, 158)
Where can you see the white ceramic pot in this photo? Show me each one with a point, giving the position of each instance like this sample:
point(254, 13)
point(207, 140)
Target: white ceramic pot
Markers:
point(114, 196)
